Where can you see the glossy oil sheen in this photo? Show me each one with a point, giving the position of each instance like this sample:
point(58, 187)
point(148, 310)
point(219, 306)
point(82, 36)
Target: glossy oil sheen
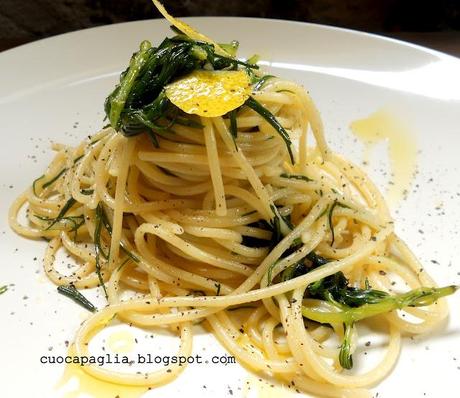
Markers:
point(76, 383)
point(385, 126)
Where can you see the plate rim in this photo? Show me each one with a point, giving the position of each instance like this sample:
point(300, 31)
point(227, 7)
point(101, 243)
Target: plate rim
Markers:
point(332, 28)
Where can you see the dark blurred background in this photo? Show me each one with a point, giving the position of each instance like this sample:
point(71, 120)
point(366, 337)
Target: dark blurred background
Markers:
point(432, 23)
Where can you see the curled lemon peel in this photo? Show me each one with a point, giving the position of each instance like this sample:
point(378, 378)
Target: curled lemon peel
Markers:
point(188, 30)
point(210, 93)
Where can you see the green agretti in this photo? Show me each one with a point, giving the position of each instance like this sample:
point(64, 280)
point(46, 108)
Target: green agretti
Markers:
point(351, 304)
point(348, 304)
point(138, 104)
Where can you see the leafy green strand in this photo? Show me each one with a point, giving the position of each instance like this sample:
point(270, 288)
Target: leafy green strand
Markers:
point(415, 298)
point(260, 82)
point(345, 357)
point(76, 221)
point(98, 248)
point(103, 222)
point(296, 177)
point(117, 103)
point(48, 183)
point(72, 292)
point(329, 218)
point(68, 205)
point(78, 158)
point(271, 119)
point(34, 184)
point(54, 179)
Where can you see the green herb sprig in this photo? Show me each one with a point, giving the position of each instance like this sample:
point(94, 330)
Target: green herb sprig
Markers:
point(259, 82)
point(345, 356)
point(49, 182)
point(138, 104)
point(271, 119)
point(329, 218)
point(76, 221)
point(98, 247)
point(374, 303)
point(102, 222)
point(72, 292)
point(354, 304)
point(296, 177)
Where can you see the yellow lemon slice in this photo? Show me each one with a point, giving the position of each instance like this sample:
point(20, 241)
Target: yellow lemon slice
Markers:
point(210, 93)
point(188, 30)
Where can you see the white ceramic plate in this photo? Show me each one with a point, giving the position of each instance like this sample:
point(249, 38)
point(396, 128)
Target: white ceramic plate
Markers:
point(54, 90)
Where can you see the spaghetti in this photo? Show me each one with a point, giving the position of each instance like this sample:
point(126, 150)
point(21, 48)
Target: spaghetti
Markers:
point(211, 219)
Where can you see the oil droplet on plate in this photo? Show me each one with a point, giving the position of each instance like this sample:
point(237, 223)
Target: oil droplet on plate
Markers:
point(383, 126)
point(259, 388)
point(121, 342)
point(76, 383)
